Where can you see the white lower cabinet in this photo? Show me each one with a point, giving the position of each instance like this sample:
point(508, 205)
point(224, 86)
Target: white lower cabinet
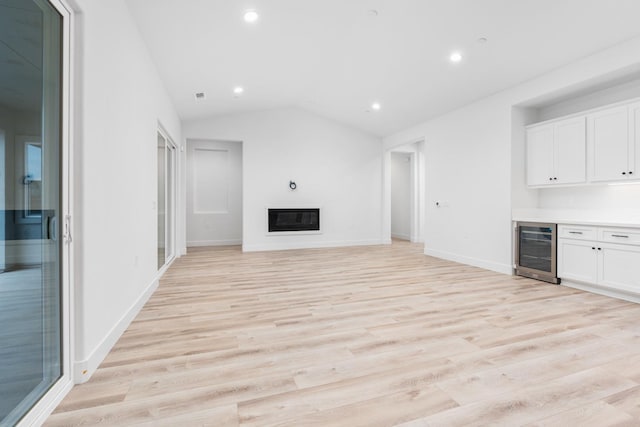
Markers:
point(577, 260)
point(586, 255)
point(619, 267)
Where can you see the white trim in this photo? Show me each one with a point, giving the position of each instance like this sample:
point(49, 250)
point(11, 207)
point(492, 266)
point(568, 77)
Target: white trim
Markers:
point(200, 243)
point(475, 262)
point(309, 245)
point(83, 369)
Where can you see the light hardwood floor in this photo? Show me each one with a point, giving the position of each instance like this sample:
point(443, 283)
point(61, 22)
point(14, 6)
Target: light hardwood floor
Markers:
point(367, 336)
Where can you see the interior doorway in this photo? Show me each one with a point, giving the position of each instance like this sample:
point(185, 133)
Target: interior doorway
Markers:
point(404, 166)
point(214, 193)
point(401, 195)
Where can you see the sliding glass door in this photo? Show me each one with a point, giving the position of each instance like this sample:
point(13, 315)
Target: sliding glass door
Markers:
point(30, 204)
point(166, 198)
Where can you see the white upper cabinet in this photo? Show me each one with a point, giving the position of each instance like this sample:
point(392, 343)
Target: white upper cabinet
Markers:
point(609, 145)
point(540, 153)
point(556, 153)
point(571, 160)
point(600, 145)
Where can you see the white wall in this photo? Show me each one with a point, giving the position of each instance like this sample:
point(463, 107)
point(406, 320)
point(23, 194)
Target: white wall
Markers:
point(401, 187)
point(602, 198)
point(521, 196)
point(336, 168)
point(468, 169)
point(120, 102)
point(468, 157)
point(597, 98)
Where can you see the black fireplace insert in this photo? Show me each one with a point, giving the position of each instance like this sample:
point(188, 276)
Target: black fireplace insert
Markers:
point(294, 220)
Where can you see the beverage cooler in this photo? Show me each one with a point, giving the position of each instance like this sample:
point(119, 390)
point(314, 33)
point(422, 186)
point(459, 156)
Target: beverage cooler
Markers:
point(536, 251)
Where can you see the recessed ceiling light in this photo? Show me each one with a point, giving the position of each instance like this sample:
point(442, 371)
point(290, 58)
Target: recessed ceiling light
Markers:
point(200, 96)
point(251, 16)
point(376, 106)
point(238, 90)
point(455, 57)
point(482, 40)
point(372, 12)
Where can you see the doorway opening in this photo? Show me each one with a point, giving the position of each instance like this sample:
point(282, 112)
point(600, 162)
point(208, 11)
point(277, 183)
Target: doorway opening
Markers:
point(214, 193)
point(401, 195)
point(404, 194)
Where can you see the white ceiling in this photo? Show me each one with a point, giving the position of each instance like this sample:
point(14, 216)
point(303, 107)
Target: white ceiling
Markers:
point(331, 57)
point(20, 55)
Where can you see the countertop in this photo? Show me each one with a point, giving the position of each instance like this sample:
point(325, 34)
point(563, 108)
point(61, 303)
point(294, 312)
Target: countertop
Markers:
point(625, 218)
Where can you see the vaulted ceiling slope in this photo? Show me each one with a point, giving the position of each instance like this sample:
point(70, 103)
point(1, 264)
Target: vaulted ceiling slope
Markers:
point(337, 57)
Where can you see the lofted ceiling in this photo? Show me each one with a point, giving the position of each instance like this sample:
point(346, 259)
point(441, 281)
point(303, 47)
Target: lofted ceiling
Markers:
point(337, 57)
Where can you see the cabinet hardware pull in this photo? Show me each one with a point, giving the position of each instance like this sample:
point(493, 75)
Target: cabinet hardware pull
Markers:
point(599, 249)
point(593, 248)
point(575, 232)
point(620, 235)
point(630, 172)
point(624, 173)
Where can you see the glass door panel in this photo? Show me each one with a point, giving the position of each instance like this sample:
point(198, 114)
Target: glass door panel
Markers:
point(170, 201)
point(536, 247)
point(161, 206)
point(166, 199)
point(30, 203)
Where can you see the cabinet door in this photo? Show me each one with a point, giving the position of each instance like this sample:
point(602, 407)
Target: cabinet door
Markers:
point(571, 151)
point(608, 132)
point(540, 155)
point(577, 260)
point(619, 267)
point(634, 141)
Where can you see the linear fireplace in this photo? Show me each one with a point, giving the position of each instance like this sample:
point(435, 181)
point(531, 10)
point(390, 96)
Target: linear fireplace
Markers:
point(293, 219)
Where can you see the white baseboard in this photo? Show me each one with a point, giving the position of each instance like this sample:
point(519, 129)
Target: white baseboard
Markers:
point(83, 369)
point(199, 243)
point(476, 262)
point(309, 245)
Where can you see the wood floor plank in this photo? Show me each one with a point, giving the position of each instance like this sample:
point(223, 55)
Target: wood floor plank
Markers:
point(363, 336)
point(597, 413)
point(531, 404)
